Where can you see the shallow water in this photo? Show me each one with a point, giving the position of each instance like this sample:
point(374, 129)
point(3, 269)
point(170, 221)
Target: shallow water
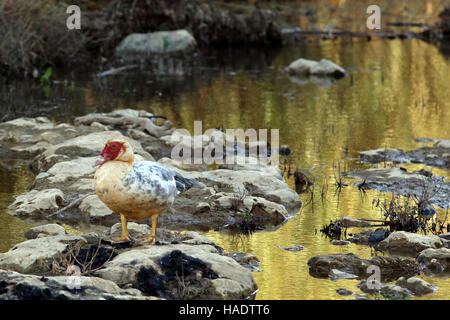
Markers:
point(396, 91)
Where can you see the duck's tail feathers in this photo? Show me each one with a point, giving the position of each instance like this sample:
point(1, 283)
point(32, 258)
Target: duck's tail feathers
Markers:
point(184, 184)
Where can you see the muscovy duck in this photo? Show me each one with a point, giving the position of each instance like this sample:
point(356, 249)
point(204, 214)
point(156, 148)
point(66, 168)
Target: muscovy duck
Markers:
point(136, 189)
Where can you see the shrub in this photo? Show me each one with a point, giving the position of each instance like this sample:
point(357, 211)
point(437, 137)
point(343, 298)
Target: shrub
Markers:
point(34, 34)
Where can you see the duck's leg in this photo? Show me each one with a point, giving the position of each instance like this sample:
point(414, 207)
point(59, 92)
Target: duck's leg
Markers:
point(151, 239)
point(125, 237)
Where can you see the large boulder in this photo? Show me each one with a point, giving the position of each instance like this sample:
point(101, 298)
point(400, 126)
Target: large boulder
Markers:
point(35, 256)
point(407, 243)
point(17, 286)
point(160, 42)
point(180, 271)
point(37, 203)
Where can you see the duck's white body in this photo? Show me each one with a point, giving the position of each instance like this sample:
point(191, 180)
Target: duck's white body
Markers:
point(137, 191)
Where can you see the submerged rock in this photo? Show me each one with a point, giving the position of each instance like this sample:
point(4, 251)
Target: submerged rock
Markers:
point(320, 266)
point(360, 296)
point(383, 155)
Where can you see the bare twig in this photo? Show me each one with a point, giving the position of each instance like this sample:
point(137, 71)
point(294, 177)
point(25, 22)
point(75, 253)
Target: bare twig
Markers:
point(74, 203)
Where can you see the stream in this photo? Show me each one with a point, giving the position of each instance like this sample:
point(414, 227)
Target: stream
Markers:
point(396, 91)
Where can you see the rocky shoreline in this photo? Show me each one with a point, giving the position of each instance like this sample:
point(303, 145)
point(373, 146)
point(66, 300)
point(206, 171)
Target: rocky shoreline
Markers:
point(57, 265)
point(405, 257)
point(62, 157)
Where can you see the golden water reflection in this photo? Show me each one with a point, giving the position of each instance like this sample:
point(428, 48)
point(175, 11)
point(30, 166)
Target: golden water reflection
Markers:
point(11, 228)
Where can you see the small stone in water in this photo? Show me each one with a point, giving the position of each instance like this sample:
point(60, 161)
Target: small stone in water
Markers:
point(343, 292)
point(297, 247)
point(340, 242)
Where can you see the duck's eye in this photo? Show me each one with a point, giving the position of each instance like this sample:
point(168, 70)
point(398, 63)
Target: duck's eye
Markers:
point(114, 146)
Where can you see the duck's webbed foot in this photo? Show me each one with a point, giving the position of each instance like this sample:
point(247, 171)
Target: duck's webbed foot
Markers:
point(125, 237)
point(151, 239)
point(122, 239)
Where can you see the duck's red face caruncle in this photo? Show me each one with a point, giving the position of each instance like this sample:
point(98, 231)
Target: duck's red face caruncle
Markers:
point(110, 152)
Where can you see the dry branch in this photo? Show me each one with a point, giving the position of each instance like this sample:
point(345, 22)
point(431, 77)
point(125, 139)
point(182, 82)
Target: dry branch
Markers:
point(74, 203)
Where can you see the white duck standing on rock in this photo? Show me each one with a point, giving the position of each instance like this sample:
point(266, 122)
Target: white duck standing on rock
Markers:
point(136, 189)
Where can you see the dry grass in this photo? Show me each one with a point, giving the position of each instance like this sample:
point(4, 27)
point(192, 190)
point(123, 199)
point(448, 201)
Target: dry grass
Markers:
point(71, 258)
point(34, 34)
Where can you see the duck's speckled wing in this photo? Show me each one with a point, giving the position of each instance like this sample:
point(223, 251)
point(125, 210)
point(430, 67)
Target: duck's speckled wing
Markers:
point(153, 179)
point(158, 180)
